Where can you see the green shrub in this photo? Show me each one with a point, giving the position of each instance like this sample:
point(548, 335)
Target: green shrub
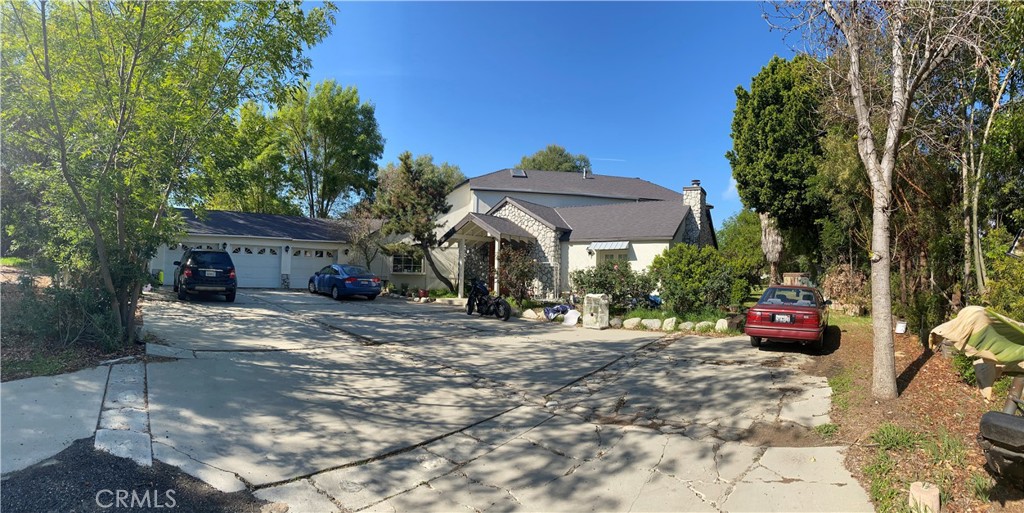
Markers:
point(964, 366)
point(56, 316)
point(693, 277)
point(616, 279)
point(440, 293)
point(1005, 292)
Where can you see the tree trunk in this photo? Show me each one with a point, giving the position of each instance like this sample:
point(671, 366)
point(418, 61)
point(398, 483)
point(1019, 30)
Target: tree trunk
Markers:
point(883, 378)
point(433, 267)
point(979, 266)
point(968, 248)
point(771, 245)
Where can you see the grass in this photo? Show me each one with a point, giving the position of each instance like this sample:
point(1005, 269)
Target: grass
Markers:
point(18, 262)
point(41, 364)
point(886, 492)
point(648, 313)
point(945, 448)
point(842, 385)
point(843, 321)
point(827, 431)
point(981, 486)
point(889, 437)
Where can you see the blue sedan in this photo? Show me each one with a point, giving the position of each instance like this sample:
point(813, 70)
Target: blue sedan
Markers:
point(340, 280)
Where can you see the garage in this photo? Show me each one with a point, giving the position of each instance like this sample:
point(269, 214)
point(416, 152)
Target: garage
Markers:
point(306, 261)
point(257, 266)
point(268, 250)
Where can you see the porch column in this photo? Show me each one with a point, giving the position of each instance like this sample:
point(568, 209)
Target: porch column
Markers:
point(462, 266)
point(497, 249)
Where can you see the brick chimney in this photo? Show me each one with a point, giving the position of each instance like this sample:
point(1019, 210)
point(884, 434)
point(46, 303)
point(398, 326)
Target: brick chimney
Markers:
point(696, 197)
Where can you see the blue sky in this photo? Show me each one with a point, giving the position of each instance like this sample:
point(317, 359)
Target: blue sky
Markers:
point(643, 89)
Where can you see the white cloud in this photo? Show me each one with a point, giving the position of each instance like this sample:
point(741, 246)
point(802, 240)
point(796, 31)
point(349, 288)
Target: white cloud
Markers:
point(731, 192)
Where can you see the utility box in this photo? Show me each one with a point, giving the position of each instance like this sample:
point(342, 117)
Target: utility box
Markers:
point(595, 311)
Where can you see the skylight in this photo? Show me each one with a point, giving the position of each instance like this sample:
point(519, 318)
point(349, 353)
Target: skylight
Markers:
point(518, 173)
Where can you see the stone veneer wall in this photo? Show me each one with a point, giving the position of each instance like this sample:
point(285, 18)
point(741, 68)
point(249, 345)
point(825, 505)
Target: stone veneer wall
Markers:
point(546, 251)
point(697, 230)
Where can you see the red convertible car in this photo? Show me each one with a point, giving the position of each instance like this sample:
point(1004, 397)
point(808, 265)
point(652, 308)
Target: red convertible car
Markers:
point(788, 313)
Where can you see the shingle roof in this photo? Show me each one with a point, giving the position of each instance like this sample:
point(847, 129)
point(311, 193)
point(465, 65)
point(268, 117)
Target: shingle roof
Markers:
point(560, 182)
point(644, 220)
point(545, 214)
point(244, 224)
point(493, 225)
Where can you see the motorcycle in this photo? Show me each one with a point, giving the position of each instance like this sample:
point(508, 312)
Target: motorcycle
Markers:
point(480, 299)
point(1001, 436)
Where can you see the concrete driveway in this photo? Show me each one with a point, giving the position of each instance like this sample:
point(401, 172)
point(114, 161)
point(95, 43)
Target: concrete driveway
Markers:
point(393, 406)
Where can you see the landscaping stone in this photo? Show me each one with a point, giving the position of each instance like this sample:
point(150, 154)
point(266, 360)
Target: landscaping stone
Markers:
point(669, 324)
point(687, 326)
point(615, 322)
point(651, 324)
point(924, 497)
point(631, 324)
point(704, 326)
point(722, 325)
point(529, 314)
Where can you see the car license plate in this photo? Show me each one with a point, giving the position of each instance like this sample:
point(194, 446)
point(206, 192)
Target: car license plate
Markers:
point(365, 283)
point(783, 318)
point(211, 274)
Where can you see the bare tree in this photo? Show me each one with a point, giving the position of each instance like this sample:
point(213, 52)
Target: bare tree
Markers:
point(913, 39)
point(771, 245)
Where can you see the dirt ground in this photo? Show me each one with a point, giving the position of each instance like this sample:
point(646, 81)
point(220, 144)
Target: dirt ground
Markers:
point(933, 400)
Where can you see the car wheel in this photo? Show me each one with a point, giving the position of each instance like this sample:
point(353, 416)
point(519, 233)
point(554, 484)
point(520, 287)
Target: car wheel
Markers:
point(312, 287)
point(334, 292)
point(819, 345)
point(181, 292)
point(755, 341)
point(371, 297)
point(230, 297)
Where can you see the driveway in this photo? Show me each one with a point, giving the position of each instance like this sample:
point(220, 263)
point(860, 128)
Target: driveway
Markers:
point(393, 406)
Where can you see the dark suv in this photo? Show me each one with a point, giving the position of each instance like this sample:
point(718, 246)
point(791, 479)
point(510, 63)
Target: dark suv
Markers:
point(205, 271)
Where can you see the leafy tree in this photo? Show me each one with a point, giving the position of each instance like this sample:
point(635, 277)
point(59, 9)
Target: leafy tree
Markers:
point(121, 99)
point(739, 243)
point(907, 41)
point(555, 158)
point(250, 173)
point(693, 278)
point(364, 232)
point(516, 270)
point(412, 195)
point(775, 131)
point(332, 142)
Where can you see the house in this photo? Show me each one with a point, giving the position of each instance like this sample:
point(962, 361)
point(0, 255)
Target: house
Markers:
point(568, 220)
point(269, 251)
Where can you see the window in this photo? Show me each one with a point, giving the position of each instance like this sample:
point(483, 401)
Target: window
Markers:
point(611, 256)
point(237, 250)
point(261, 251)
point(407, 264)
point(319, 253)
point(273, 251)
point(248, 251)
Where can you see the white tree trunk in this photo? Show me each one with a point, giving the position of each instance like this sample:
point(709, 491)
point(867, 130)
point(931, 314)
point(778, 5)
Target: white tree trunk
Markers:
point(883, 375)
point(771, 245)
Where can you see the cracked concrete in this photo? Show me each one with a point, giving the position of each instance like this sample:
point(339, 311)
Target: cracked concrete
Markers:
point(392, 406)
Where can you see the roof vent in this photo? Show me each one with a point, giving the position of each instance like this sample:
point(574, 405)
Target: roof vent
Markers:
point(587, 173)
point(518, 173)
point(696, 183)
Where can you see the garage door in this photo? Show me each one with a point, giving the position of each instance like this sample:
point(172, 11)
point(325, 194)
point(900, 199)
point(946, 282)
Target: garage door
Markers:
point(257, 266)
point(305, 262)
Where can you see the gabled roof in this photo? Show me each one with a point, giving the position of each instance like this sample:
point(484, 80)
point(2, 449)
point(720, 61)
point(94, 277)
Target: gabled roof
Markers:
point(493, 226)
point(644, 220)
point(561, 182)
point(246, 224)
point(545, 214)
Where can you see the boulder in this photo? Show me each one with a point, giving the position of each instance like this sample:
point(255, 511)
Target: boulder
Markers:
point(529, 314)
point(722, 325)
point(669, 324)
point(631, 324)
point(704, 326)
point(615, 322)
point(651, 324)
point(686, 326)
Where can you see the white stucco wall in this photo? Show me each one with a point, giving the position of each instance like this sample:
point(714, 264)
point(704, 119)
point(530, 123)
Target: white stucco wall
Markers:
point(639, 256)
